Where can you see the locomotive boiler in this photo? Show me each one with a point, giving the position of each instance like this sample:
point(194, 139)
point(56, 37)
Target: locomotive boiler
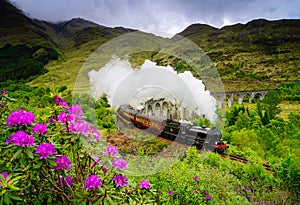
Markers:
point(183, 132)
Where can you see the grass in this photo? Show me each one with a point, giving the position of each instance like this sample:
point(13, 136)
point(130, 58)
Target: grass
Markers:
point(288, 107)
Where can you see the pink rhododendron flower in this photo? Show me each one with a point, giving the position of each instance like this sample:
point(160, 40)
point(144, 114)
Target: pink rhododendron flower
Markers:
point(93, 182)
point(111, 151)
point(64, 117)
point(208, 197)
point(20, 117)
point(76, 112)
point(145, 184)
point(22, 139)
point(39, 128)
point(60, 101)
point(120, 181)
point(45, 149)
point(62, 163)
point(119, 164)
point(65, 181)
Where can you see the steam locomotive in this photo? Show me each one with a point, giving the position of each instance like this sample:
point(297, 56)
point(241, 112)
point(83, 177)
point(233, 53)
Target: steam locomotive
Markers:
point(184, 132)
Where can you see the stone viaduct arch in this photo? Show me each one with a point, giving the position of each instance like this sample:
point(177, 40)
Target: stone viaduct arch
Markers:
point(164, 109)
point(239, 96)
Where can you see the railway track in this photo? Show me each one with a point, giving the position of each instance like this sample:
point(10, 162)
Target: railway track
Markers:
point(243, 160)
point(182, 145)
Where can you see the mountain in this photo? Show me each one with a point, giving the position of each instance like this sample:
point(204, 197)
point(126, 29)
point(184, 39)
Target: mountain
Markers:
point(257, 55)
point(73, 41)
point(17, 28)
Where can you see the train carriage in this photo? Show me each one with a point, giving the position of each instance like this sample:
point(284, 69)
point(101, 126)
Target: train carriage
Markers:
point(202, 137)
point(154, 124)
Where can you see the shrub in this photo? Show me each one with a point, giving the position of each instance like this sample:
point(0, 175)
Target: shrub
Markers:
point(51, 160)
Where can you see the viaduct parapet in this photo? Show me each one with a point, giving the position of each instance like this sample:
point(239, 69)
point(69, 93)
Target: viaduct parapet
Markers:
point(239, 96)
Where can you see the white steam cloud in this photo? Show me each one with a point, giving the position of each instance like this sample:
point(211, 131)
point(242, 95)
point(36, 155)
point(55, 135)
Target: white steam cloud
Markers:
point(126, 85)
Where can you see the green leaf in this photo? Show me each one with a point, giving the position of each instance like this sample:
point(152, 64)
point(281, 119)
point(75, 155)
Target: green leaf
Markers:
point(52, 163)
point(17, 154)
point(11, 99)
point(16, 198)
point(39, 164)
point(6, 198)
point(29, 153)
point(15, 179)
point(98, 202)
point(76, 144)
point(111, 201)
point(13, 187)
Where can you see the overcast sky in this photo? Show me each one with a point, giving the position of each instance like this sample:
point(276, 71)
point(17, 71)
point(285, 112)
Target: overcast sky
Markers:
point(166, 16)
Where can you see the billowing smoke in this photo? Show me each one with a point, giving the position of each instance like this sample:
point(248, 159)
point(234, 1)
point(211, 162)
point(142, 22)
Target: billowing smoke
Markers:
point(126, 85)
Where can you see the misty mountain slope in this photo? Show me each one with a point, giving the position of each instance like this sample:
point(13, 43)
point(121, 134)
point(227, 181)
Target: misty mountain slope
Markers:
point(74, 40)
point(17, 28)
point(256, 55)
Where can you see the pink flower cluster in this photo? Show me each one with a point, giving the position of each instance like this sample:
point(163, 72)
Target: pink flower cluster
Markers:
point(39, 128)
point(76, 112)
point(64, 117)
point(60, 101)
point(120, 181)
point(145, 184)
point(111, 151)
point(65, 181)
point(120, 164)
point(73, 120)
point(81, 128)
point(21, 138)
point(93, 182)
point(20, 117)
point(207, 196)
point(62, 163)
point(45, 149)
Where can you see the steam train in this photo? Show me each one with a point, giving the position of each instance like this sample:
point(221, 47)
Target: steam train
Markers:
point(184, 132)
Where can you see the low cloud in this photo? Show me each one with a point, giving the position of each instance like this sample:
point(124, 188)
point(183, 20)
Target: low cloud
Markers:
point(164, 16)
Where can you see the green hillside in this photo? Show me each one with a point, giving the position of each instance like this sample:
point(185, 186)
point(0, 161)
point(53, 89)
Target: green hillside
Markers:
point(73, 40)
point(258, 55)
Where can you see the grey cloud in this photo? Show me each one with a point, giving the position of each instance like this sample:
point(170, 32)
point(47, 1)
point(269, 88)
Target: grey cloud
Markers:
point(161, 15)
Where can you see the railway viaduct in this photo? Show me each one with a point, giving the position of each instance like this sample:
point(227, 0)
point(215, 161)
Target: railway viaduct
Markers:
point(167, 109)
point(239, 96)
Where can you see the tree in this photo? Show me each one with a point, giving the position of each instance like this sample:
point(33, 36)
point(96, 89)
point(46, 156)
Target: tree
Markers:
point(271, 102)
point(243, 120)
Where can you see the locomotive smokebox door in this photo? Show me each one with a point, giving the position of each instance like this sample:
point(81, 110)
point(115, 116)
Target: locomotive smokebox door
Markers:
point(213, 135)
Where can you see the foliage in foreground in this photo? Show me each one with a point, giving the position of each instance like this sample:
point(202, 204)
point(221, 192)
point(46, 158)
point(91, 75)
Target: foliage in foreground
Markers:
point(209, 179)
point(75, 172)
point(49, 160)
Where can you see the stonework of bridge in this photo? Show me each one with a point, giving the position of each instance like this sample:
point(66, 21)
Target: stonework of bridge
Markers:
point(166, 109)
point(163, 108)
point(239, 96)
